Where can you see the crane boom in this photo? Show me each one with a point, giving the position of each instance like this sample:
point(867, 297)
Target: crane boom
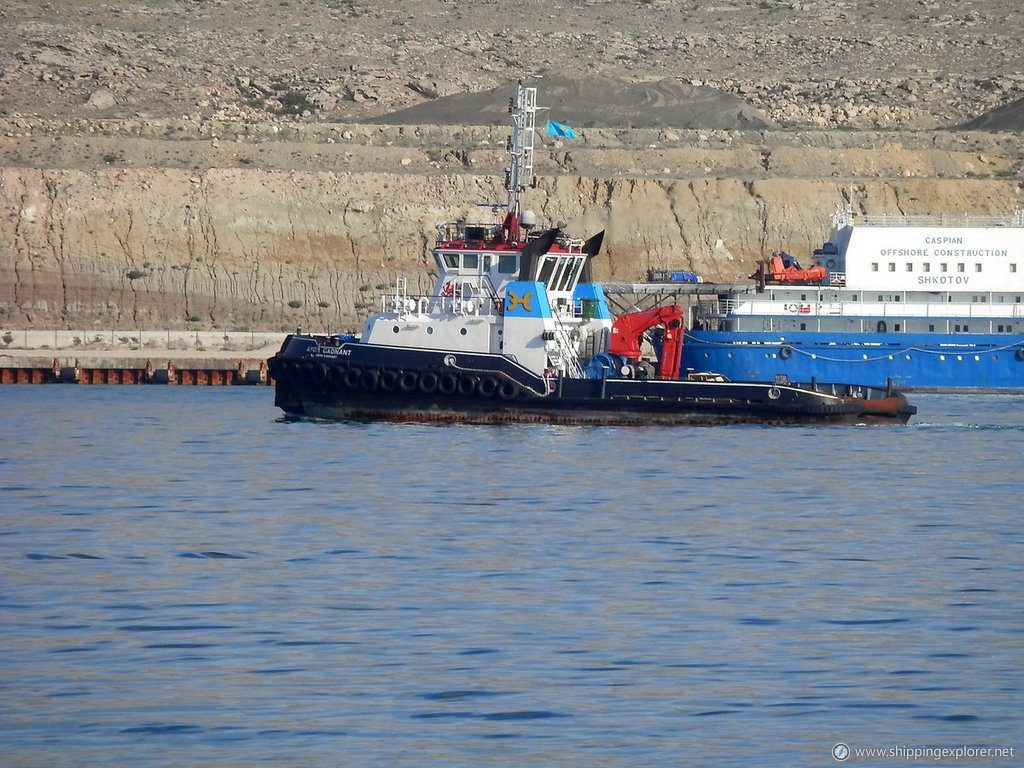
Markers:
point(629, 329)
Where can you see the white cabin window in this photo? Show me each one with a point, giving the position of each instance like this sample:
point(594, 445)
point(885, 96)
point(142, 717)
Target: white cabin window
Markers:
point(931, 328)
point(1013, 267)
point(470, 261)
point(943, 267)
point(508, 263)
point(977, 267)
point(926, 267)
point(960, 267)
point(910, 267)
point(874, 266)
point(892, 266)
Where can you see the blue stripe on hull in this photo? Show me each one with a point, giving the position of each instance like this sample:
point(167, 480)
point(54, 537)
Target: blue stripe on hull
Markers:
point(911, 361)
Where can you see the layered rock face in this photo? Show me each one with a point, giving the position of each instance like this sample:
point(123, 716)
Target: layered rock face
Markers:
point(273, 248)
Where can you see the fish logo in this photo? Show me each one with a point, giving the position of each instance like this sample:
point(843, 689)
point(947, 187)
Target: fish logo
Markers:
point(524, 302)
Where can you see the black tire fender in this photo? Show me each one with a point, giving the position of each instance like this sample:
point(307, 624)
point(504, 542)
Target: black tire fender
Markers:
point(447, 384)
point(370, 379)
point(468, 384)
point(407, 381)
point(487, 387)
point(388, 379)
point(428, 382)
point(353, 376)
point(508, 390)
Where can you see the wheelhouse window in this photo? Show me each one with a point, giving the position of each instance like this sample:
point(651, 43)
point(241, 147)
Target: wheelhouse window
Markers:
point(508, 263)
point(547, 266)
point(471, 261)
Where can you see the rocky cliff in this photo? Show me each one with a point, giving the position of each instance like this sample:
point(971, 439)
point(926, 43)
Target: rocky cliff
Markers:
point(207, 228)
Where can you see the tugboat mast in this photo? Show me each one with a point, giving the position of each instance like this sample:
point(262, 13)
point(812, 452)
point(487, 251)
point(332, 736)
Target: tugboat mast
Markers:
point(520, 145)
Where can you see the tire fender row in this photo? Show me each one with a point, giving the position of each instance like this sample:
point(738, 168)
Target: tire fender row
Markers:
point(405, 381)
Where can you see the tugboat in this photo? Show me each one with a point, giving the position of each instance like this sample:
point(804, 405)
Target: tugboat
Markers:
point(515, 331)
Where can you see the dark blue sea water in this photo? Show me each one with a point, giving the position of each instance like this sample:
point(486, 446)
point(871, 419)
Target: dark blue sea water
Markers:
point(187, 580)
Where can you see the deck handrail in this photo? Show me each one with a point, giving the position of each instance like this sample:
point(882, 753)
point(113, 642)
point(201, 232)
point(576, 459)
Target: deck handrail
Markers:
point(845, 216)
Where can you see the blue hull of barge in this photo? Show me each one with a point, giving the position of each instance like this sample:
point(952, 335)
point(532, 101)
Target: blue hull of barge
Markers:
point(947, 362)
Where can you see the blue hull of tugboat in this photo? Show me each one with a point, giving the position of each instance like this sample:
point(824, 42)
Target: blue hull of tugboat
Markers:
point(911, 362)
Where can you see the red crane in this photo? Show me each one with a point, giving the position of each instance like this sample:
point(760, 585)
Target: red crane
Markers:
point(628, 331)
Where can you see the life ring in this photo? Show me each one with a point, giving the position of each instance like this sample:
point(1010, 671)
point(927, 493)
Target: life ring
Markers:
point(447, 384)
point(428, 382)
point(508, 390)
point(407, 381)
point(370, 379)
point(388, 379)
point(786, 352)
point(467, 384)
point(774, 393)
point(487, 387)
point(353, 376)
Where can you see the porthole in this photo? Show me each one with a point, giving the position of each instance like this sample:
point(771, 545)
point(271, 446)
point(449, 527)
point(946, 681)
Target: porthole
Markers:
point(430, 330)
point(463, 331)
point(394, 329)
